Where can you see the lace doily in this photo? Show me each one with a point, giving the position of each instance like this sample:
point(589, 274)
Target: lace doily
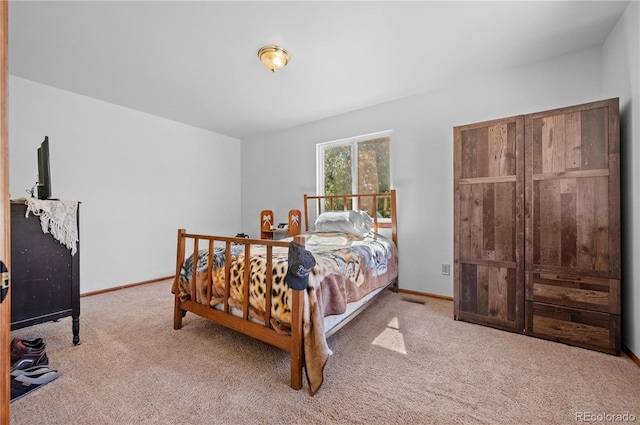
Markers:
point(58, 218)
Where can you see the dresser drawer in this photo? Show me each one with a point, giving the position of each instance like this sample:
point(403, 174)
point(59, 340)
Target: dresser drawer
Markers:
point(584, 328)
point(584, 292)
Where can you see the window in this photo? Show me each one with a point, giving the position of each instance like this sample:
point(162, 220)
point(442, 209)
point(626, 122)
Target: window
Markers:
point(366, 157)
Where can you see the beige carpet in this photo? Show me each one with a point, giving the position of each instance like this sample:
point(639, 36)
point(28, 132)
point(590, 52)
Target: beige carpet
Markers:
point(398, 363)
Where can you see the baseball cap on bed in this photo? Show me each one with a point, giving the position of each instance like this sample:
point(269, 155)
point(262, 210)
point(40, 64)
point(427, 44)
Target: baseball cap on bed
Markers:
point(301, 262)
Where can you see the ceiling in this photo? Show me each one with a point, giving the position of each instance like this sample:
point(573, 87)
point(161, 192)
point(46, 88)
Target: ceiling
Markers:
point(196, 62)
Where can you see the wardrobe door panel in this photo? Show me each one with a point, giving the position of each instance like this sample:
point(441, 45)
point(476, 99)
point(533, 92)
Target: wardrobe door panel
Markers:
point(573, 215)
point(489, 227)
point(571, 223)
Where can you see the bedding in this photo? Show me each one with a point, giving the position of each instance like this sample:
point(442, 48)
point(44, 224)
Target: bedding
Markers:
point(348, 268)
point(354, 222)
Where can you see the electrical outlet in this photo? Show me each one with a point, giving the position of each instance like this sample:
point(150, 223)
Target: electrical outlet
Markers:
point(446, 269)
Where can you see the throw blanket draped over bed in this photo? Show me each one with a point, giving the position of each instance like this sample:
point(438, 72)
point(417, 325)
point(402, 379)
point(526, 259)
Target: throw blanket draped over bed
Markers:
point(347, 269)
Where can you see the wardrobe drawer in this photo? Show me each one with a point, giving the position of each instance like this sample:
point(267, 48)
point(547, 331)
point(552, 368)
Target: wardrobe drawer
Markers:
point(584, 328)
point(584, 292)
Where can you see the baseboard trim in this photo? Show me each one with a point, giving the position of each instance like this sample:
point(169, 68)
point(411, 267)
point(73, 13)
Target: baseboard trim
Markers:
point(631, 355)
point(131, 285)
point(425, 294)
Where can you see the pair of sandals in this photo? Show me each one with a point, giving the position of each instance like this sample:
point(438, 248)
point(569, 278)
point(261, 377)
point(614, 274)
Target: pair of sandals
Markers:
point(23, 381)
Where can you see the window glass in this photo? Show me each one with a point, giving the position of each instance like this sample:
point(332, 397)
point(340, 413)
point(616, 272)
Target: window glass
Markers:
point(357, 165)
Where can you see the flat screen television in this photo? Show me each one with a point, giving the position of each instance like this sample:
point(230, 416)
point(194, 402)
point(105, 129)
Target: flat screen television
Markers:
point(44, 172)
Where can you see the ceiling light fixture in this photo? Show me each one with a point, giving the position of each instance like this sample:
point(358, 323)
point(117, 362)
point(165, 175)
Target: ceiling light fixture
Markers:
point(273, 57)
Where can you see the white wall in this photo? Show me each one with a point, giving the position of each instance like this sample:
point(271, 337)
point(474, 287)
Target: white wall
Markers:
point(621, 78)
point(421, 151)
point(136, 175)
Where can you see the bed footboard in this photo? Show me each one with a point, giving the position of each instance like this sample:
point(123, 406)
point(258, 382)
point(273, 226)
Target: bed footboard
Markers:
point(243, 321)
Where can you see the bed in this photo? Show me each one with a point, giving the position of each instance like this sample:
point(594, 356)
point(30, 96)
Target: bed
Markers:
point(355, 251)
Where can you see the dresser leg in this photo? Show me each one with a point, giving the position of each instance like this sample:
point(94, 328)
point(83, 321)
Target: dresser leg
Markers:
point(75, 323)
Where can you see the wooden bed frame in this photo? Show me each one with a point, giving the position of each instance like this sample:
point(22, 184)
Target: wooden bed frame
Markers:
point(292, 343)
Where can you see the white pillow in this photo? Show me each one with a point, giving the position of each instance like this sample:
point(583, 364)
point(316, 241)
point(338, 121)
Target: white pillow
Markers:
point(354, 222)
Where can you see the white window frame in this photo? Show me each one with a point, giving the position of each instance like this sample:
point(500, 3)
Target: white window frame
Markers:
point(353, 142)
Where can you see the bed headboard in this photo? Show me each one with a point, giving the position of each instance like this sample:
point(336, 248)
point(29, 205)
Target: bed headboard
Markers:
point(370, 202)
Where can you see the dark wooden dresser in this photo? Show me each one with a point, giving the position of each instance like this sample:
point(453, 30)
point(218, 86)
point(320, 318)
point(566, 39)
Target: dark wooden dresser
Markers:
point(45, 276)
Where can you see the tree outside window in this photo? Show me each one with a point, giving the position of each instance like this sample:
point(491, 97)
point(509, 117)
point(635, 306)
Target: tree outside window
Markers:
point(366, 157)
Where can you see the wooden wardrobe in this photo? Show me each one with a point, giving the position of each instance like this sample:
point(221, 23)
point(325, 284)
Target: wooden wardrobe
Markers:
point(537, 224)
